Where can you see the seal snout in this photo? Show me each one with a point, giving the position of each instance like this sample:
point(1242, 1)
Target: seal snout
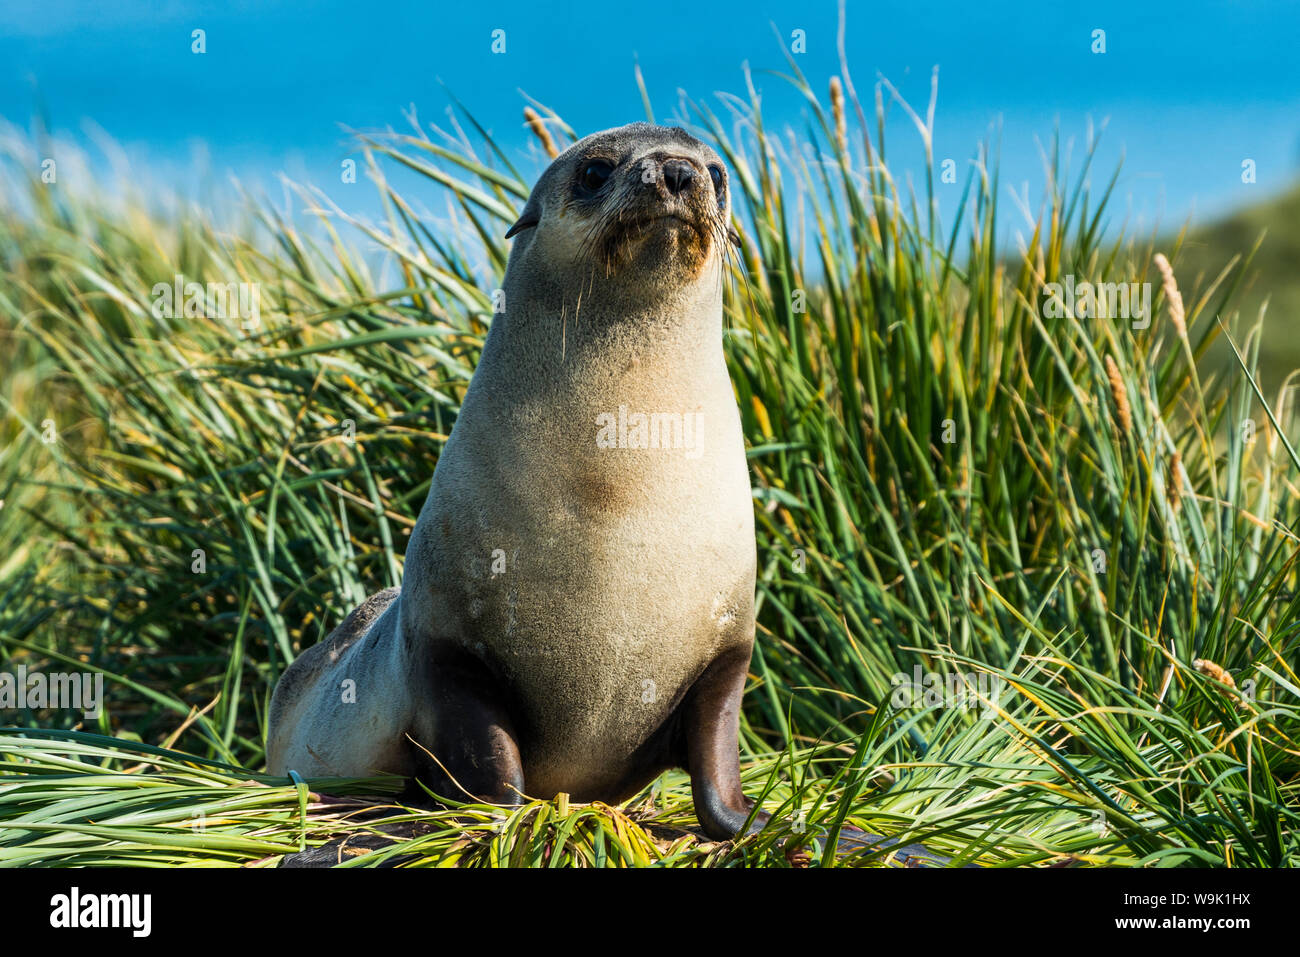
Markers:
point(671, 190)
point(671, 209)
point(677, 175)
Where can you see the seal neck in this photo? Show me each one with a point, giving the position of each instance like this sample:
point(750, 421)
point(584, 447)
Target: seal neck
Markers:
point(580, 336)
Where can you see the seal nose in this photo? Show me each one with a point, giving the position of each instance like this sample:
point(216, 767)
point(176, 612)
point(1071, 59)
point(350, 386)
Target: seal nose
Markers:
point(678, 175)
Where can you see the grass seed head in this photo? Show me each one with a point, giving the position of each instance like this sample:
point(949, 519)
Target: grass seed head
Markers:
point(1119, 393)
point(1207, 667)
point(1172, 295)
point(837, 110)
point(538, 126)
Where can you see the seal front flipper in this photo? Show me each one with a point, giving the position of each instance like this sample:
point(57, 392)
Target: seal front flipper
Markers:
point(469, 751)
point(711, 722)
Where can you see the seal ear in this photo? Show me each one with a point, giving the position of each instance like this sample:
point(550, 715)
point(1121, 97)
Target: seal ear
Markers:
point(529, 218)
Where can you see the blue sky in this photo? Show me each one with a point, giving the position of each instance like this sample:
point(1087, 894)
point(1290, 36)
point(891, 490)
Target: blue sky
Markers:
point(1189, 90)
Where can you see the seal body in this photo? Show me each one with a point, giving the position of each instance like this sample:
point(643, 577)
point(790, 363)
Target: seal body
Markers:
point(576, 613)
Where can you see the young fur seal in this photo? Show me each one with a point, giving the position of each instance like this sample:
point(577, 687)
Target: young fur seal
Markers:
point(577, 607)
point(577, 610)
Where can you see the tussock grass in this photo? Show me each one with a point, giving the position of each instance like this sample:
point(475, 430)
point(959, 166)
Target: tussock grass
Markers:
point(945, 478)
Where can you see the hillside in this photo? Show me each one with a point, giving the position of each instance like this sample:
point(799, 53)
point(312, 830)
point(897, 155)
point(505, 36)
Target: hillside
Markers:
point(1274, 275)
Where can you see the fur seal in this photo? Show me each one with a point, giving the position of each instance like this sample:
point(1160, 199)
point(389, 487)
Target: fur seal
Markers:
point(577, 606)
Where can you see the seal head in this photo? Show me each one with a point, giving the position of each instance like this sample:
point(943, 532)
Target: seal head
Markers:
point(641, 197)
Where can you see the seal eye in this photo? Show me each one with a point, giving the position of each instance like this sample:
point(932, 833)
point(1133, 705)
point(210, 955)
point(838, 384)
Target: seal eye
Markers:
point(595, 174)
point(715, 174)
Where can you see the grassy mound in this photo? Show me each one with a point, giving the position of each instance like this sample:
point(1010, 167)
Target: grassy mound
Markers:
point(1074, 528)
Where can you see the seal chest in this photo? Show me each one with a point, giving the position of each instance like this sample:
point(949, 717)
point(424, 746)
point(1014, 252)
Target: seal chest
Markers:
point(613, 603)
